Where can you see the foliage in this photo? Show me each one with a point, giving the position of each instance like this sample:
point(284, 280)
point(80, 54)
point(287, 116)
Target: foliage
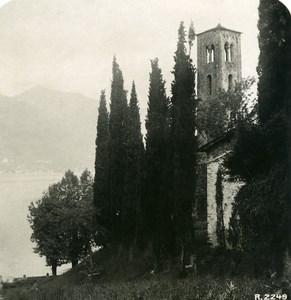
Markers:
point(63, 220)
point(118, 165)
point(133, 173)
point(191, 36)
point(183, 144)
point(216, 116)
point(157, 207)
point(44, 220)
point(260, 156)
point(118, 127)
point(274, 59)
point(154, 288)
point(102, 167)
point(119, 283)
point(261, 205)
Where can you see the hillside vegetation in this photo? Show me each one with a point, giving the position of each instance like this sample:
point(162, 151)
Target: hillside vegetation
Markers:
point(112, 277)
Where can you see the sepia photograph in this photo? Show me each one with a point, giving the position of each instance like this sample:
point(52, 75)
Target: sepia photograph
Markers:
point(145, 150)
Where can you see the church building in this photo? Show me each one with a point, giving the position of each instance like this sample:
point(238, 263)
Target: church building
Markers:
point(218, 67)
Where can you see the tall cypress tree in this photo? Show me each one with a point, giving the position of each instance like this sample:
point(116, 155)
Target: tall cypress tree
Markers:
point(274, 42)
point(184, 144)
point(260, 155)
point(132, 184)
point(101, 197)
point(157, 203)
point(117, 150)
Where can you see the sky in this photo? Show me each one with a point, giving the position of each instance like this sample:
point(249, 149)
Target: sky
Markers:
point(69, 45)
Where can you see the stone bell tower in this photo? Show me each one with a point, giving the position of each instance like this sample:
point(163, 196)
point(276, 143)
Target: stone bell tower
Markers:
point(218, 60)
point(218, 67)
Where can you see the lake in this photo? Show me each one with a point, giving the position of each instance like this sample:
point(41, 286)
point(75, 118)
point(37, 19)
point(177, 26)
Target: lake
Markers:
point(17, 191)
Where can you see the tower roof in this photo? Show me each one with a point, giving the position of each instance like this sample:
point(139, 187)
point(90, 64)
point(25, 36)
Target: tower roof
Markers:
point(219, 27)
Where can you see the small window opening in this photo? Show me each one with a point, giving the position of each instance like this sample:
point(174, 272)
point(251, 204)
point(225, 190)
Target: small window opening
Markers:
point(231, 52)
point(212, 53)
point(209, 84)
point(207, 55)
point(230, 82)
point(227, 52)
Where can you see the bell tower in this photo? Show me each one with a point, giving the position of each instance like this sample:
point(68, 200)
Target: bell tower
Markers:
point(218, 60)
point(218, 67)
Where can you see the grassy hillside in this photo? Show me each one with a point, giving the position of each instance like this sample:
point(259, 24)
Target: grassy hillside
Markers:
point(111, 276)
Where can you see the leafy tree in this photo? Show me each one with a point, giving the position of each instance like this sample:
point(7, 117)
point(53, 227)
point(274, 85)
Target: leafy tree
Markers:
point(132, 184)
point(101, 193)
point(184, 144)
point(63, 220)
point(117, 150)
point(157, 206)
point(219, 115)
point(259, 222)
point(69, 197)
point(89, 226)
point(269, 137)
point(77, 211)
point(261, 151)
point(274, 59)
point(44, 219)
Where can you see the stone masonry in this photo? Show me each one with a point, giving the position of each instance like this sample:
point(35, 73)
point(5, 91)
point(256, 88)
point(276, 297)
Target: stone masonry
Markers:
point(218, 67)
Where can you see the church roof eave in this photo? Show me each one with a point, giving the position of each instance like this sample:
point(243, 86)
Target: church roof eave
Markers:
point(219, 27)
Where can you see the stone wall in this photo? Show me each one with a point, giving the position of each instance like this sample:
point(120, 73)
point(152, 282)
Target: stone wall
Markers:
point(218, 61)
point(230, 189)
point(215, 155)
point(217, 67)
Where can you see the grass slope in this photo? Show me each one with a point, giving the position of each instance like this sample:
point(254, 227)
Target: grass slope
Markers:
point(110, 276)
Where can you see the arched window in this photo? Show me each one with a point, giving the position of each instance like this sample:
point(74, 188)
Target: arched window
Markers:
point(207, 54)
point(230, 82)
point(209, 84)
point(211, 53)
point(231, 52)
point(227, 51)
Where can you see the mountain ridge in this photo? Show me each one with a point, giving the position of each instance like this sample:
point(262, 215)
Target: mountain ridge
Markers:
point(47, 130)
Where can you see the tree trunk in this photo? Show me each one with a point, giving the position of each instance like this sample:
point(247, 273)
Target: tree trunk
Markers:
point(74, 263)
point(193, 262)
point(183, 259)
point(54, 268)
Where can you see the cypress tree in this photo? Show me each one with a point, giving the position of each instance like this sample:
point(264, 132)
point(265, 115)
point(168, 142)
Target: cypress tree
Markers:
point(101, 197)
point(184, 145)
point(132, 184)
point(117, 150)
point(274, 42)
point(260, 155)
point(157, 203)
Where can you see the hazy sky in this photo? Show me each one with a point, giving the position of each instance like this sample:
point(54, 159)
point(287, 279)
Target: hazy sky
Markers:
point(69, 45)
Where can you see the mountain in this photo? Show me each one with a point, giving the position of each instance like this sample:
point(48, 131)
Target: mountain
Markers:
point(43, 129)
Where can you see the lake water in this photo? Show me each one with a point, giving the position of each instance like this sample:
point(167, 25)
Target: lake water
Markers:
point(17, 191)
